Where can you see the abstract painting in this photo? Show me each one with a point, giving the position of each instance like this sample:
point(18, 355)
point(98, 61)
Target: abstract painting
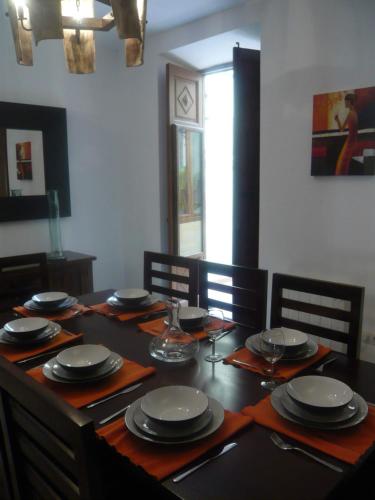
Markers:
point(343, 139)
point(24, 164)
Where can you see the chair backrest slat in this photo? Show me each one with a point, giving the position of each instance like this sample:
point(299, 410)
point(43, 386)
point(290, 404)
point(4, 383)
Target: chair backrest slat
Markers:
point(326, 312)
point(30, 452)
point(349, 317)
point(37, 486)
point(178, 276)
point(63, 454)
point(169, 276)
point(245, 290)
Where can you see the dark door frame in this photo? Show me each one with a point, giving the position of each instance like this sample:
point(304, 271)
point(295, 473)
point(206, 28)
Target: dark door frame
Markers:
point(246, 74)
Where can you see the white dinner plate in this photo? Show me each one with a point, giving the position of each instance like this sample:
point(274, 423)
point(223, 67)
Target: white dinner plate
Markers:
point(26, 327)
point(82, 358)
point(113, 361)
point(49, 373)
point(160, 430)
point(340, 415)
point(114, 302)
point(252, 343)
point(49, 299)
point(319, 392)
point(214, 424)
point(174, 403)
point(33, 306)
point(131, 296)
point(46, 335)
point(276, 401)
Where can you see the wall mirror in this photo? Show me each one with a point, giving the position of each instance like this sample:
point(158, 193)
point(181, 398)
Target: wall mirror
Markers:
point(33, 159)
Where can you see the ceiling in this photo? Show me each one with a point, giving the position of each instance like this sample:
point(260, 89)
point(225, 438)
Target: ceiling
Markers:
point(216, 50)
point(166, 14)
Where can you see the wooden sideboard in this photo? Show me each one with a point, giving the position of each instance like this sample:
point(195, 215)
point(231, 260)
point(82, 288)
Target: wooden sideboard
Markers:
point(73, 274)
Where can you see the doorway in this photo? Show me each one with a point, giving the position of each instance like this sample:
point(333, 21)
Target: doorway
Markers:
point(218, 160)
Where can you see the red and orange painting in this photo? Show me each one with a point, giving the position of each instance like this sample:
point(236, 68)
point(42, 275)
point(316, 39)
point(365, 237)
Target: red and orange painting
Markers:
point(343, 141)
point(24, 164)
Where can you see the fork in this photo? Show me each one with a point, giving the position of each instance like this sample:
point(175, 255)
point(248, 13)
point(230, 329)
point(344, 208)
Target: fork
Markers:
point(278, 441)
point(321, 367)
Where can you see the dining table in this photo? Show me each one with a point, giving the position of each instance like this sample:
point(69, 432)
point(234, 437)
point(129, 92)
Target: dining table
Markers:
point(256, 468)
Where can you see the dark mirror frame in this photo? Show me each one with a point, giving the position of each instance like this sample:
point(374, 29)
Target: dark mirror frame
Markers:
point(52, 123)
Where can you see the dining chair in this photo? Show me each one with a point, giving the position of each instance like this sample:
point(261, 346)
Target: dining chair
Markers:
point(238, 290)
point(171, 275)
point(20, 277)
point(329, 310)
point(50, 448)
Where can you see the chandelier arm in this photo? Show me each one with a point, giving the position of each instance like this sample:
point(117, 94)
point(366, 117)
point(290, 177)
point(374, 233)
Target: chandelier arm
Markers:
point(88, 23)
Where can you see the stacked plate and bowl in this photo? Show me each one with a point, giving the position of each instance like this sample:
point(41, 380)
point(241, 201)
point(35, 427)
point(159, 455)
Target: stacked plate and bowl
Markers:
point(131, 299)
point(319, 402)
point(28, 331)
point(82, 363)
point(174, 415)
point(50, 302)
point(298, 345)
point(192, 318)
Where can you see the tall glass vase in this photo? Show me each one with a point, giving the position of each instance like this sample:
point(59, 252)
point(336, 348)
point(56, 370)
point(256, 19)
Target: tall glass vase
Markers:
point(54, 225)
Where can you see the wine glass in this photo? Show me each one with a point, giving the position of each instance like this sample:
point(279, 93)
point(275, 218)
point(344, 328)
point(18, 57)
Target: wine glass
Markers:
point(214, 326)
point(272, 348)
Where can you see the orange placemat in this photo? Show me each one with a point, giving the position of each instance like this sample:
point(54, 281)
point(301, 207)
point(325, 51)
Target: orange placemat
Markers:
point(157, 327)
point(76, 310)
point(14, 354)
point(347, 445)
point(79, 395)
point(161, 461)
point(284, 371)
point(111, 312)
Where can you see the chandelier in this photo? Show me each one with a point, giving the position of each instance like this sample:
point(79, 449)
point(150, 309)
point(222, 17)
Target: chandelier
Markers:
point(73, 21)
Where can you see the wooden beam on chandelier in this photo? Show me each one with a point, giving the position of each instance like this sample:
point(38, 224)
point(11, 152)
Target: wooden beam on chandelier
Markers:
point(105, 23)
point(22, 38)
point(79, 46)
point(134, 47)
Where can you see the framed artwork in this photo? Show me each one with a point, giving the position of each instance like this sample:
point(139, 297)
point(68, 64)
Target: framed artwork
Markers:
point(24, 165)
point(343, 138)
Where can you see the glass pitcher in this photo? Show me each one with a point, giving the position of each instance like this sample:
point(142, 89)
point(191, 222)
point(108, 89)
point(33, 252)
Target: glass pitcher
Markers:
point(174, 345)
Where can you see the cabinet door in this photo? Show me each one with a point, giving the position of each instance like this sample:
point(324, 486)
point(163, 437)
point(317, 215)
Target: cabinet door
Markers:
point(74, 279)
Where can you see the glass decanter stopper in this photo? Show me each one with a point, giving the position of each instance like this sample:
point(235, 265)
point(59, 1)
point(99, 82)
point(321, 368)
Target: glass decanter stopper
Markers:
point(174, 345)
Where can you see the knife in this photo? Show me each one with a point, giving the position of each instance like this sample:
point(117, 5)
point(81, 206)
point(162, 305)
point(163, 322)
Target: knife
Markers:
point(42, 355)
point(226, 448)
point(116, 414)
point(123, 391)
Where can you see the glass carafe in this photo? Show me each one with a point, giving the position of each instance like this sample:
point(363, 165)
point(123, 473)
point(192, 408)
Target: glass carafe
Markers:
point(174, 345)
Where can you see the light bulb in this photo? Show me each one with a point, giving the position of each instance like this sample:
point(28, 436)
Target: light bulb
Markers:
point(20, 4)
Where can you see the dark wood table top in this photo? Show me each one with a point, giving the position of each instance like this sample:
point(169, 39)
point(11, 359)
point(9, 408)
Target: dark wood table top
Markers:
point(256, 468)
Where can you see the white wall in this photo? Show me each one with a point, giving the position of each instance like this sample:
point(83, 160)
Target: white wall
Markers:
point(318, 227)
